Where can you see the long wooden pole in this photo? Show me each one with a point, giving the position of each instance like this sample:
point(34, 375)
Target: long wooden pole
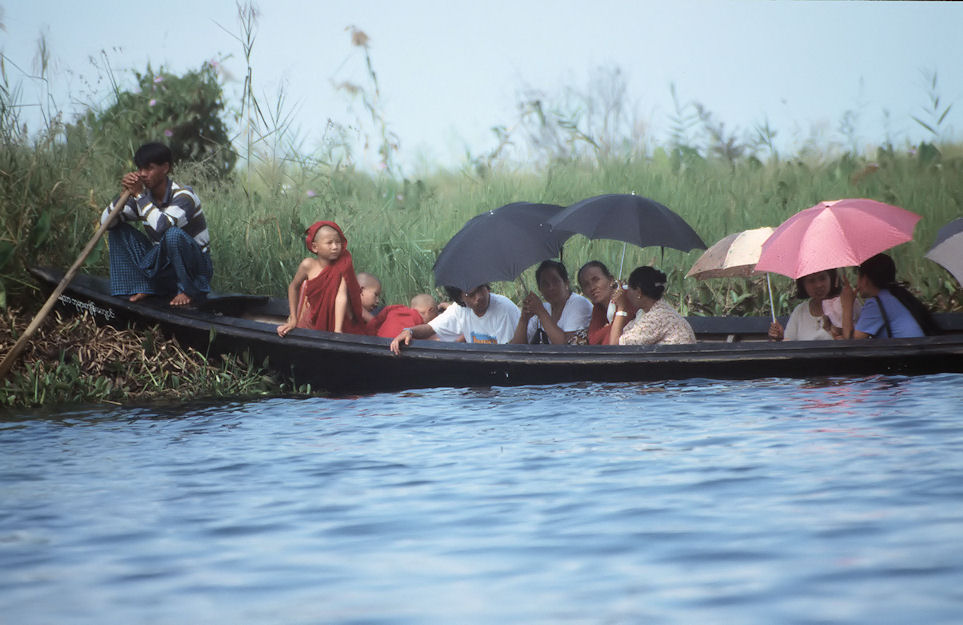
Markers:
point(21, 344)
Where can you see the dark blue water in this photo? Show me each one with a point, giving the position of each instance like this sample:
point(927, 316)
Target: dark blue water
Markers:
point(777, 501)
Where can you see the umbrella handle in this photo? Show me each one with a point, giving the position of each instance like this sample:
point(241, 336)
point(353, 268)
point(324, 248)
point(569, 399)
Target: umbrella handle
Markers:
point(772, 309)
point(622, 261)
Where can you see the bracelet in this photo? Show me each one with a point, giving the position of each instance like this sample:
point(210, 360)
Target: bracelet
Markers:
point(621, 313)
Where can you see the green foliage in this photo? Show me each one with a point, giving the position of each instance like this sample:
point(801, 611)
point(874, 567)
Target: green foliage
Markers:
point(46, 212)
point(181, 111)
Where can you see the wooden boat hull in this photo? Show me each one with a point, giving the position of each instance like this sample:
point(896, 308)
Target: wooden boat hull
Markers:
point(346, 364)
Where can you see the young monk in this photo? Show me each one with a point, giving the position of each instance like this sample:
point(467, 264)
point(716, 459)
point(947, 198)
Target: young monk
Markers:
point(393, 319)
point(325, 294)
point(370, 295)
point(426, 305)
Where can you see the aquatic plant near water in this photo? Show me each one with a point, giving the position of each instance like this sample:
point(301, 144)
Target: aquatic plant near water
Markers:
point(74, 360)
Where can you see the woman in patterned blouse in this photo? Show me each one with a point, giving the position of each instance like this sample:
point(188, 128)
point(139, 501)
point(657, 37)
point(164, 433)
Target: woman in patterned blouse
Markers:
point(656, 323)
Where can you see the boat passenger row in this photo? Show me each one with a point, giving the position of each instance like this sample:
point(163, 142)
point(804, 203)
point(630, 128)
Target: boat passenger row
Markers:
point(173, 255)
point(608, 313)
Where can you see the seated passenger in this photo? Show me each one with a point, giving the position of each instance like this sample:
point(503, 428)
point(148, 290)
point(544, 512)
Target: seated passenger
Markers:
point(889, 311)
point(325, 294)
point(598, 285)
point(480, 317)
point(370, 295)
point(656, 323)
point(820, 316)
point(395, 318)
point(561, 314)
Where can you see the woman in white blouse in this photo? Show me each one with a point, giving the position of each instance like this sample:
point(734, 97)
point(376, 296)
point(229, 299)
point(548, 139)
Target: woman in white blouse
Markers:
point(817, 318)
point(559, 316)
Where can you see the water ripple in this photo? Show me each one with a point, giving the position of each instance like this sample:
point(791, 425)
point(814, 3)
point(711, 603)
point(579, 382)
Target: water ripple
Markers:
point(773, 501)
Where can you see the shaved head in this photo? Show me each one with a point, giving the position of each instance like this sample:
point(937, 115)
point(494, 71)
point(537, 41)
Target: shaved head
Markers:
point(425, 305)
point(368, 281)
point(370, 290)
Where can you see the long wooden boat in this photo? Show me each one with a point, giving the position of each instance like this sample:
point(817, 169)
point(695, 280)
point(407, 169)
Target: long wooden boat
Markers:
point(728, 348)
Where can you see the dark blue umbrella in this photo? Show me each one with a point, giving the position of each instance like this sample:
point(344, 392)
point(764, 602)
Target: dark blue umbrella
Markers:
point(630, 219)
point(498, 245)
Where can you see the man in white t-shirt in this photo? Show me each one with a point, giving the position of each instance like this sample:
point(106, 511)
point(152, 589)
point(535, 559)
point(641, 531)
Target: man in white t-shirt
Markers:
point(479, 315)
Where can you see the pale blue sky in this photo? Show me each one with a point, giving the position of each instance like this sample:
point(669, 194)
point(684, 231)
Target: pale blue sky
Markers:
point(449, 71)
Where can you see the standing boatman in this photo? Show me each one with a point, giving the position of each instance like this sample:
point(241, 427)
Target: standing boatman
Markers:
point(173, 257)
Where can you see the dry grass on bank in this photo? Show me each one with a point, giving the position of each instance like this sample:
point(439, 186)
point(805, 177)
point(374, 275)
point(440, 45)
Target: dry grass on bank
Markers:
point(75, 360)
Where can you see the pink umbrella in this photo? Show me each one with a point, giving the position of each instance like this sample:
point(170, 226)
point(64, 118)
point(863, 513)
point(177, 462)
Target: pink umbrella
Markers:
point(842, 233)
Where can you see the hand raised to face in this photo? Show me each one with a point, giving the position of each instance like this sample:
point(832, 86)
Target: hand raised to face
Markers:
point(531, 304)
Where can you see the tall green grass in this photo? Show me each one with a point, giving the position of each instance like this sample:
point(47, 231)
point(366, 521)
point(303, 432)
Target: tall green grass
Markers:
point(396, 228)
point(54, 185)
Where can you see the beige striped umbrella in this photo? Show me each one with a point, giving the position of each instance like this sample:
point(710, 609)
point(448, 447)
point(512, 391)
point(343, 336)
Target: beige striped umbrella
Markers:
point(734, 256)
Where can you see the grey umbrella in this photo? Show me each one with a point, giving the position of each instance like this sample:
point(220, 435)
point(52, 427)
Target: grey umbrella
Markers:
point(499, 245)
point(947, 249)
point(630, 219)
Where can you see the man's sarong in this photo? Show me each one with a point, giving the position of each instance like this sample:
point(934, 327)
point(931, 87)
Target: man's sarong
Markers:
point(175, 265)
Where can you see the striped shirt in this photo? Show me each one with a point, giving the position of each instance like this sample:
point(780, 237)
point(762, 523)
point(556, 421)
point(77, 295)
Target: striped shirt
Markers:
point(180, 207)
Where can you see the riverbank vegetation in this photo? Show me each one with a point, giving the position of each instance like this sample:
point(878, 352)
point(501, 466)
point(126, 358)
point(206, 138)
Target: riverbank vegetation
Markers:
point(55, 181)
point(73, 359)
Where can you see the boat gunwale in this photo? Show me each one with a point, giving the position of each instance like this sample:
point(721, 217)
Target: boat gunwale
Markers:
point(750, 354)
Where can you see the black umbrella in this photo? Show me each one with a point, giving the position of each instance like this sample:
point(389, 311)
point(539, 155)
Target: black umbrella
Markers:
point(630, 219)
point(499, 245)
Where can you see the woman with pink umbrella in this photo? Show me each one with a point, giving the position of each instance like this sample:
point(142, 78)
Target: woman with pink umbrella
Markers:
point(839, 233)
point(819, 317)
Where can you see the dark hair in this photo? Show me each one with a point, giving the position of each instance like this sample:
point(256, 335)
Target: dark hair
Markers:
point(153, 153)
point(594, 263)
point(649, 280)
point(835, 284)
point(551, 264)
point(454, 293)
point(881, 271)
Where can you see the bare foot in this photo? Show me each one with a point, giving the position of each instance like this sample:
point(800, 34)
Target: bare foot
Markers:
point(181, 299)
point(136, 297)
